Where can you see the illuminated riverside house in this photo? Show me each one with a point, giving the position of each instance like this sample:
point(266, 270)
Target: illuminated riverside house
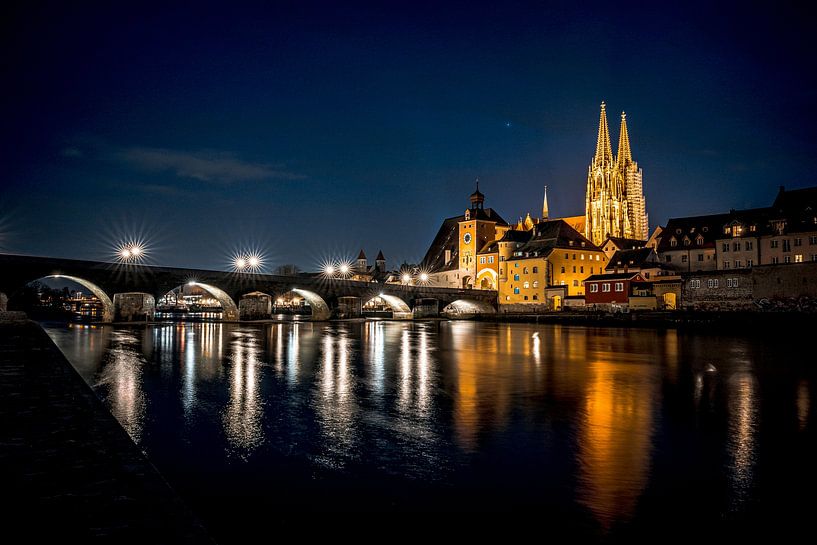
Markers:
point(553, 254)
point(615, 204)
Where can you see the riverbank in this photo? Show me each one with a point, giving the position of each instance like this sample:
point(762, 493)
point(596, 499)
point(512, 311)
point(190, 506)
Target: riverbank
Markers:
point(69, 469)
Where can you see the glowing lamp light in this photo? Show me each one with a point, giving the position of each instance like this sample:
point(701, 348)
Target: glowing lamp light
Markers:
point(240, 263)
point(136, 251)
point(253, 261)
point(423, 277)
point(329, 270)
point(406, 278)
point(125, 253)
point(344, 269)
point(191, 283)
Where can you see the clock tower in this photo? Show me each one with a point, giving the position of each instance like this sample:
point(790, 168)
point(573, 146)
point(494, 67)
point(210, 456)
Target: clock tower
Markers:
point(476, 229)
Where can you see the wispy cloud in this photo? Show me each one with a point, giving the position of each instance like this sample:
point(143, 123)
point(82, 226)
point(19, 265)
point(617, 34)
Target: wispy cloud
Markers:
point(215, 167)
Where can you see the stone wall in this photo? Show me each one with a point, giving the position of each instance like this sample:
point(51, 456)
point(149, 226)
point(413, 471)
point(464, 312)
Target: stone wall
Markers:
point(4, 301)
point(789, 287)
point(718, 290)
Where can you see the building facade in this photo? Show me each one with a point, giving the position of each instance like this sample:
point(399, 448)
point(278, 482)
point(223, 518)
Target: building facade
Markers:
point(614, 203)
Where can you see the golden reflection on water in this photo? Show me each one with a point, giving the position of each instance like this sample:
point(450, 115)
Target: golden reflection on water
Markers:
point(123, 377)
point(615, 438)
point(335, 404)
point(742, 388)
point(242, 416)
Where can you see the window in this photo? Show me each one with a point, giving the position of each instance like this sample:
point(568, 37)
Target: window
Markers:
point(725, 264)
point(695, 284)
point(725, 246)
point(516, 277)
point(561, 282)
point(490, 259)
point(574, 269)
point(594, 288)
point(774, 261)
point(597, 257)
point(535, 283)
point(619, 286)
point(535, 270)
point(773, 244)
point(574, 257)
point(567, 256)
point(787, 259)
point(507, 297)
point(728, 282)
point(712, 283)
point(526, 298)
point(535, 297)
point(683, 259)
point(798, 241)
point(591, 270)
point(581, 270)
point(686, 241)
point(798, 258)
point(482, 260)
point(563, 270)
point(812, 240)
point(814, 257)
point(749, 245)
point(737, 264)
point(605, 287)
point(786, 245)
point(526, 285)
point(582, 256)
point(699, 241)
point(673, 242)
point(575, 283)
point(669, 258)
point(700, 257)
point(736, 246)
point(749, 263)
point(516, 291)
point(516, 265)
point(524, 270)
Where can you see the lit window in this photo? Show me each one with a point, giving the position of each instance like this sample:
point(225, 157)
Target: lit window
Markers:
point(594, 288)
point(516, 277)
point(482, 260)
point(526, 285)
point(798, 258)
point(582, 256)
point(619, 286)
point(605, 287)
point(673, 242)
point(516, 291)
point(535, 283)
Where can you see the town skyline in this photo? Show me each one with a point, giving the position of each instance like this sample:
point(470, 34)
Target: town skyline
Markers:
point(289, 153)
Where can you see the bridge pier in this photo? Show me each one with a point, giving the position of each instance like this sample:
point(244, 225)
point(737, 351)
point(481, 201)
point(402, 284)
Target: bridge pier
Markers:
point(426, 308)
point(349, 307)
point(255, 306)
point(133, 307)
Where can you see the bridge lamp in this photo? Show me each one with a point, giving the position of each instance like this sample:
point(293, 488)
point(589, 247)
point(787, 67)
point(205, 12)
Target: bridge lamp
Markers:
point(406, 278)
point(136, 250)
point(253, 262)
point(329, 270)
point(125, 253)
point(423, 277)
point(344, 269)
point(191, 283)
point(240, 263)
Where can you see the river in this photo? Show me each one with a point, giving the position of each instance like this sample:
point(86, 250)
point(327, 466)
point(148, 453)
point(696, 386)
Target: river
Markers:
point(605, 433)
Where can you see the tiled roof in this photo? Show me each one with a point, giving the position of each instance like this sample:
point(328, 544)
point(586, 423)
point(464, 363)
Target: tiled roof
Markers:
point(549, 235)
point(637, 258)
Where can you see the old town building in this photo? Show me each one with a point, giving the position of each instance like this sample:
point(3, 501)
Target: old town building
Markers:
point(688, 244)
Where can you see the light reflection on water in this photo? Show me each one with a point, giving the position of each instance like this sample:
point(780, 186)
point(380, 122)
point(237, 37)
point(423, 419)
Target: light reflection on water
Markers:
point(499, 410)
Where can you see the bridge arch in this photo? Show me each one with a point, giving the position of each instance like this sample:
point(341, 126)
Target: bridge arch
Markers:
point(320, 310)
point(229, 310)
point(99, 293)
point(399, 308)
point(467, 308)
point(487, 279)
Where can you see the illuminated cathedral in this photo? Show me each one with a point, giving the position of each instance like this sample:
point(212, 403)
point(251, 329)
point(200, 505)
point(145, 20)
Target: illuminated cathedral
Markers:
point(615, 204)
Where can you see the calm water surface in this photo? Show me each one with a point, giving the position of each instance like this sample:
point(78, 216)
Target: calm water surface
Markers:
point(606, 433)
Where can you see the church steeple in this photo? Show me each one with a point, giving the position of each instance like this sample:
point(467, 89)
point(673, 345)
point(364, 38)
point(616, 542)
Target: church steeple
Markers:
point(624, 155)
point(604, 152)
point(545, 205)
point(477, 198)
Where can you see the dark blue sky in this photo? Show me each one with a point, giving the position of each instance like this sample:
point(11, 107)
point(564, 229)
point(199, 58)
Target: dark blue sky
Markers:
point(309, 131)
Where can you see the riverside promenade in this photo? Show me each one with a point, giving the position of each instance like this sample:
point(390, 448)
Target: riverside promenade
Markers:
point(69, 470)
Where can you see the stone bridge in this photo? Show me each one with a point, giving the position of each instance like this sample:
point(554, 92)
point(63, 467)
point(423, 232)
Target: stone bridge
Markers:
point(128, 292)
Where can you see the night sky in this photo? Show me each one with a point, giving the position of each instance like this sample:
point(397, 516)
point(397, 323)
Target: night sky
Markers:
point(308, 131)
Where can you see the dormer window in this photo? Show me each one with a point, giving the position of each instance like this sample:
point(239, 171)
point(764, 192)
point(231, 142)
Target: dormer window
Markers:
point(699, 241)
point(673, 242)
point(686, 241)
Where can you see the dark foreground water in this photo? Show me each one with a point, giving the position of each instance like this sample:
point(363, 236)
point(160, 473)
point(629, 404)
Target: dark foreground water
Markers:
point(603, 433)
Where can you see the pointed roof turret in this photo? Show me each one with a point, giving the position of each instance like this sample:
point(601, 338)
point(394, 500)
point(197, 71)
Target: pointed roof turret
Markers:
point(477, 198)
point(545, 205)
point(361, 255)
point(604, 152)
point(380, 256)
point(624, 155)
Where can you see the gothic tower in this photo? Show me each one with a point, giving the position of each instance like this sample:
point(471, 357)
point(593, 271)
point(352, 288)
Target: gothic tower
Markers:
point(606, 211)
point(632, 178)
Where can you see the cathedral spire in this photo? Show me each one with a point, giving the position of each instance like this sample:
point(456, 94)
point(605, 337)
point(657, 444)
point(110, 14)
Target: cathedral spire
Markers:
point(604, 152)
point(545, 205)
point(624, 155)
